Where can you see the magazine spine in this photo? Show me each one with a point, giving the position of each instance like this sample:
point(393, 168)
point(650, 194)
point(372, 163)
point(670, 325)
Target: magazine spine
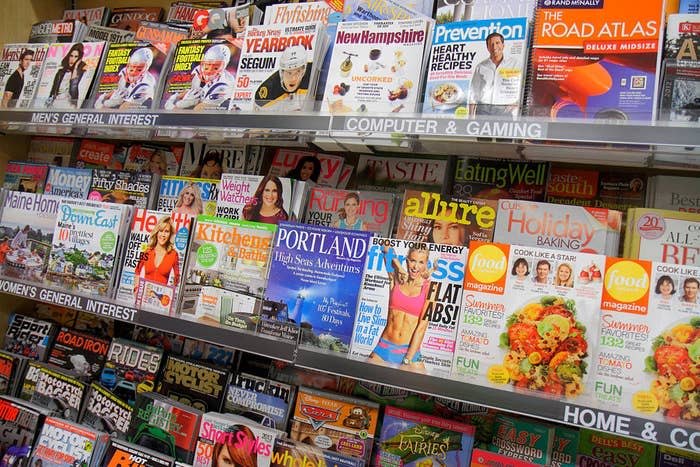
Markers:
point(527, 100)
point(89, 101)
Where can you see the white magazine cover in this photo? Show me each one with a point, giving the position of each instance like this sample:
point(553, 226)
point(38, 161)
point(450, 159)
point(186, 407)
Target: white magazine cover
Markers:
point(420, 286)
point(373, 10)
point(278, 68)
point(255, 198)
point(205, 160)
point(90, 16)
point(303, 12)
point(477, 68)
point(376, 67)
point(20, 69)
point(448, 11)
point(68, 74)
point(675, 193)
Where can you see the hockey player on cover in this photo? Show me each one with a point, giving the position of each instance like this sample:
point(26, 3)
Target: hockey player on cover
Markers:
point(286, 90)
point(136, 87)
point(211, 86)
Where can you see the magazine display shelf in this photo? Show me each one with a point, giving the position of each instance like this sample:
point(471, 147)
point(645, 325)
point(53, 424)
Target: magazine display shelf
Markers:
point(239, 339)
point(675, 433)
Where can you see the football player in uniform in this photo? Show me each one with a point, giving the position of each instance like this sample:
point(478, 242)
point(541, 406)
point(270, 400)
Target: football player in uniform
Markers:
point(136, 87)
point(211, 85)
point(286, 90)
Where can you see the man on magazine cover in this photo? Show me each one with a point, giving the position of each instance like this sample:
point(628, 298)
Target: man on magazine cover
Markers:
point(136, 86)
point(15, 83)
point(690, 290)
point(212, 84)
point(492, 89)
point(287, 88)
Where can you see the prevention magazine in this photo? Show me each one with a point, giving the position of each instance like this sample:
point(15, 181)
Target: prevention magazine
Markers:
point(68, 182)
point(528, 319)
point(227, 271)
point(353, 210)
point(664, 236)
point(322, 308)
point(130, 77)
point(57, 88)
point(428, 217)
point(25, 177)
point(420, 285)
point(279, 67)
point(185, 195)
point(255, 198)
point(322, 169)
point(376, 67)
point(20, 70)
point(153, 233)
point(477, 68)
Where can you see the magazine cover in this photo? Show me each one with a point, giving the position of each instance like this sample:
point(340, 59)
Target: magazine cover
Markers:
point(411, 439)
point(448, 11)
point(106, 412)
point(128, 365)
point(130, 76)
point(191, 196)
point(224, 436)
point(500, 179)
point(675, 457)
point(29, 337)
point(50, 150)
point(20, 69)
point(120, 453)
point(154, 234)
point(229, 24)
point(20, 424)
point(68, 182)
point(10, 365)
point(680, 91)
point(255, 198)
point(68, 74)
point(258, 404)
point(689, 6)
point(523, 439)
point(583, 67)
point(279, 67)
point(90, 16)
point(100, 154)
point(648, 316)
point(65, 444)
point(227, 271)
point(29, 378)
point(352, 210)
point(529, 318)
point(420, 286)
point(57, 30)
point(272, 387)
point(204, 160)
point(318, 272)
point(201, 75)
point(158, 159)
point(97, 325)
point(565, 446)
point(172, 344)
point(162, 36)
point(129, 18)
point(193, 383)
point(183, 13)
point(477, 68)
point(376, 67)
point(103, 33)
point(60, 393)
point(79, 352)
point(164, 425)
point(212, 353)
point(338, 423)
point(596, 447)
point(85, 246)
point(26, 177)
point(368, 10)
point(396, 174)
point(664, 236)
point(26, 227)
point(682, 37)
point(674, 193)
point(322, 169)
point(428, 217)
point(287, 452)
point(123, 187)
point(570, 228)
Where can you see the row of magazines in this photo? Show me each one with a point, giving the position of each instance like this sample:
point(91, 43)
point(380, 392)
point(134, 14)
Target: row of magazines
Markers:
point(138, 396)
point(592, 61)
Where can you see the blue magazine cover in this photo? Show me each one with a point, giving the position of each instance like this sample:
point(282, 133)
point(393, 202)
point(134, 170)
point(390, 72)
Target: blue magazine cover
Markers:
point(315, 277)
point(68, 182)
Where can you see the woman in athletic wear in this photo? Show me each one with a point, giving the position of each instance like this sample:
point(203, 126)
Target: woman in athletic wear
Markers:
point(347, 215)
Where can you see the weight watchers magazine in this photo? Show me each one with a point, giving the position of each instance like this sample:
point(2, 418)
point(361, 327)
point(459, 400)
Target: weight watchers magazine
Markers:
point(419, 284)
point(254, 198)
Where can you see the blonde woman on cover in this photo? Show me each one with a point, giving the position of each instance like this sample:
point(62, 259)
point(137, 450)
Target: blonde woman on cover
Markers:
point(564, 276)
point(401, 340)
point(190, 201)
point(347, 215)
point(160, 259)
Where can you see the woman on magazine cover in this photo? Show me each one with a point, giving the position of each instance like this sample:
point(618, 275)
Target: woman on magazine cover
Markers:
point(160, 259)
point(307, 168)
point(401, 340)
point(447, 231)
point(665, 287)
point(347, 215)
point(236, 454)
point(65, 90)
point(189, 201)
point(564, 276)
point(267, 203)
